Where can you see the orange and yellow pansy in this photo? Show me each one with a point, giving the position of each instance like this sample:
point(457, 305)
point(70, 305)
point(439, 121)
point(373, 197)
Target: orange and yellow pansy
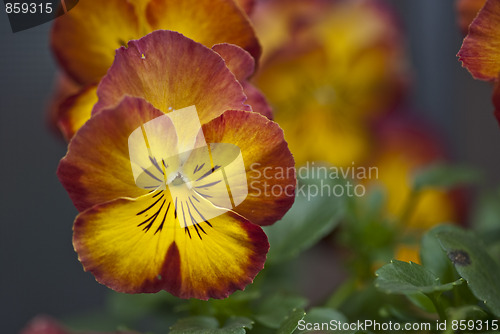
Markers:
point(338, 65)
point(84, 41)
point(171, 230)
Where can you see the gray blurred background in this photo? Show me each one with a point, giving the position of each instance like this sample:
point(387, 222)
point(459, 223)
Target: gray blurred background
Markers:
point(40, 272)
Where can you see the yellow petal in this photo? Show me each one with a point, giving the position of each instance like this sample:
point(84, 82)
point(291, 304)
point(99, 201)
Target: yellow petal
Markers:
point(64, 87)
point(76, 110)
point(85, 39)
point(206, 21)
point(143, 245)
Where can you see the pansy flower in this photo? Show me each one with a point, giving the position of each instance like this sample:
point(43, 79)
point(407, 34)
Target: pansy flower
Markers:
point(160, 196)
point(84, 41)
point(480, 51)
point(341, 64)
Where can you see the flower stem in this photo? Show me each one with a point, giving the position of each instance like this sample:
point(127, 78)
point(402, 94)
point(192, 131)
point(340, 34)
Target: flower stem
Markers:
point(439, 307)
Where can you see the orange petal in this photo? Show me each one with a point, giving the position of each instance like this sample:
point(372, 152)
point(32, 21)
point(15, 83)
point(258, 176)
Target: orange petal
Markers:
point(97, 167)
point(239, 61)
point(268, 162)
point(480, 52)
point(242, 65)
point(172, 72)
point(257, 100)
point(84, 40)
point(206, 21)
point(63, 88)
point(138, 245)
point(76, 110)
point(246, 5)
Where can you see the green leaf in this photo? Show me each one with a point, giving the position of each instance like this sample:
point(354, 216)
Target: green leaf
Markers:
point(433, 256)
point(486, 216)
point(370, 207)
point(322, 314)
point(273, 310)
point(309, 220)
point(471, 260)
point(444, 176)
point(486, 220)
point(291, 322)
point(422, 301)
point(404, 278)
point(210, 325)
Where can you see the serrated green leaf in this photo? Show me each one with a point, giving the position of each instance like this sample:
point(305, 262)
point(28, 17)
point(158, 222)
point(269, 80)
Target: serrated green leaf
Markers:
point(444, 176)
point(273, 310)
point(210, 325)
point(471, 260)
point(291, 321)
point(309, 220)
point(400, 277)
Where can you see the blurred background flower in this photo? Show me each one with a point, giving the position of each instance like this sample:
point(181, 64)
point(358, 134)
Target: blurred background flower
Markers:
point(332, 68)
point(337, 76)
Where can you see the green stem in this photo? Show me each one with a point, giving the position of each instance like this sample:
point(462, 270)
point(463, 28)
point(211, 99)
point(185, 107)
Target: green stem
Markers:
point(439, 308)
point(341, 294)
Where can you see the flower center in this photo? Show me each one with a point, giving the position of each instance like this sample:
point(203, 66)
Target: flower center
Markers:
point(178, 179)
